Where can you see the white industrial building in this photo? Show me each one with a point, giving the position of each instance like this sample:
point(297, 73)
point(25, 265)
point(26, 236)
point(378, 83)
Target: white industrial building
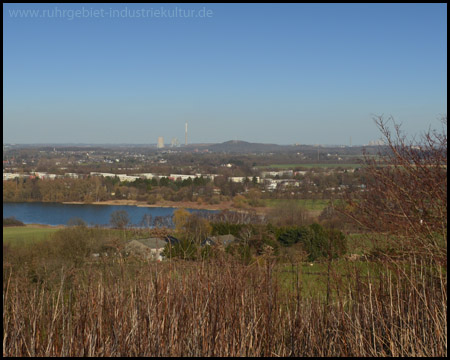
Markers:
point(124, 177)
point(277, 173)
point(10, 176)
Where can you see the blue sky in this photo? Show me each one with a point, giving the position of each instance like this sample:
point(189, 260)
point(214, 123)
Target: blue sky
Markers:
point(284, 73)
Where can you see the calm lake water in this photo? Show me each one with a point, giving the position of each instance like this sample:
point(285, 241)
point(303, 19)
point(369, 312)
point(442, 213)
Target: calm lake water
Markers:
point(60, 214)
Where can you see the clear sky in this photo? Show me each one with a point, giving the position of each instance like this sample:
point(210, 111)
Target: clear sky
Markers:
point(284, 73)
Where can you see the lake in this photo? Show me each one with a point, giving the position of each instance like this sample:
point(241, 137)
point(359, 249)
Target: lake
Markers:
point(60, 214)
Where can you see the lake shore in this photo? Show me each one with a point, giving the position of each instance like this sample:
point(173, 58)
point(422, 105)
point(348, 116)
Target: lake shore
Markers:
point(44, 226)
point(226, 205)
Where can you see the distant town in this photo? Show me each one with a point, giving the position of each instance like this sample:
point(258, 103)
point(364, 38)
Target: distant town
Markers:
point(241, 173)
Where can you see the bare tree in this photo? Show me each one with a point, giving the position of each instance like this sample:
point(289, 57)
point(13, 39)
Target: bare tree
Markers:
point(405, 192)
point(146, 221)
point(235, 217)
point(119, 219)
point(289, 214)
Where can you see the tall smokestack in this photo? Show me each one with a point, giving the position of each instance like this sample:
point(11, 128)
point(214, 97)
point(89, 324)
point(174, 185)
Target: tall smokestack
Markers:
point(185, 135)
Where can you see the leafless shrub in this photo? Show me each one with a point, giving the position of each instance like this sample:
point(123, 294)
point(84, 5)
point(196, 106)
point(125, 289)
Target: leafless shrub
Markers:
point(406, 192)
point(221, 308)
point(236, 217)
point(289, 214)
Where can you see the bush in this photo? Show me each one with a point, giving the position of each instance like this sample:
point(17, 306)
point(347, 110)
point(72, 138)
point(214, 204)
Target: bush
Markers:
point(76, 221)
point(256, 202)
point(12, 221)
point(317, 241)
point(185, 249)
point(338, 242)
point(289, 213)
point(317, 247)
point(197, 228)
point(214, 200)
point(293, 235)
point(141, 197)
point(240, 251)
point(254, 198)
point(225, 228)
point(239, 202)
point(151, 199)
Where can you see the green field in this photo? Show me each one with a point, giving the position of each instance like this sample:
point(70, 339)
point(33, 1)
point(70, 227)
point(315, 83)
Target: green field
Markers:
point(309, 204)
point(312, 278)
point(308, 166)
point(19, 235)
point(363, 243)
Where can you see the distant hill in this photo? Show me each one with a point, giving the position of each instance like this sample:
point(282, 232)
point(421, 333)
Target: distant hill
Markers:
point(238, 146)
point(244, 147)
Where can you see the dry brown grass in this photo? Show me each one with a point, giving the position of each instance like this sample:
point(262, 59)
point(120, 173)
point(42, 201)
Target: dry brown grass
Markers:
point(222, 308)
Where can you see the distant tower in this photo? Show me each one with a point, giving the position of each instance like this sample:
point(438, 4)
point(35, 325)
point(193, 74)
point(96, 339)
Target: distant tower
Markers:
point(185, 135)
point(160, 142)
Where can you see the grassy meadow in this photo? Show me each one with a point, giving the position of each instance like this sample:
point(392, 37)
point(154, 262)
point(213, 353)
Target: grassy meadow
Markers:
point(308, 204)
point(19, 235)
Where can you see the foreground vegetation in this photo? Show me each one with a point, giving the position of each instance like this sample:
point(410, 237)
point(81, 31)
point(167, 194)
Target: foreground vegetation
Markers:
point(220, 307)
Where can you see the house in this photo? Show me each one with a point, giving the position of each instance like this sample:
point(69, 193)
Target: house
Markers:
point(72, 175)
point(124, 177)
point(282, 173)
point(147, 175)
point(210, 176)
point(44, 175)
point(181, 177)
point(220, 240)
point(185, 177)
point(94, 173)
point(273, 184)
point(10, 176)
point(149, 249)
point(237, 179)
